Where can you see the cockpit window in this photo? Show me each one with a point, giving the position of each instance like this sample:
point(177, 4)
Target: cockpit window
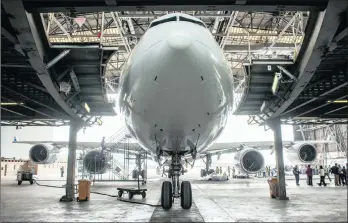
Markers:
point(191, 20)
point(171, 19)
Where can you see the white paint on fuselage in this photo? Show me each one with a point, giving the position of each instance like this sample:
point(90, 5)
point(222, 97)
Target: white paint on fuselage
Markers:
point(176, 86)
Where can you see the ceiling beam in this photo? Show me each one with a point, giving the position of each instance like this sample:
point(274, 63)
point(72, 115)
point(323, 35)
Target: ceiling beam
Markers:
point(30, 108)
point(260, 34)
point(31, 99)
point(314, 99)
point(9, 36)
point(332, 111)
point(9, 110)
point(16, 66)
point(318, 107)
point(172, 5)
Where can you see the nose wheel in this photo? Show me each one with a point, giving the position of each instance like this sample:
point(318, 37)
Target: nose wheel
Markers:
point(186, 195)
point(167, 198)
point(167, 195)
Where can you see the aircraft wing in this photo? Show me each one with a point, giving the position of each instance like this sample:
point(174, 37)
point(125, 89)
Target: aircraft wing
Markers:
point(231, 147)
point(133, 147)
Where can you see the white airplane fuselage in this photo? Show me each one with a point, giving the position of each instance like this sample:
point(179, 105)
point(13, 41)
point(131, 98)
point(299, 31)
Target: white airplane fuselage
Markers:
point(176, 87)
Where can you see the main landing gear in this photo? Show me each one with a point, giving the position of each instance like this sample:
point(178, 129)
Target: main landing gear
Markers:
point(172, 190)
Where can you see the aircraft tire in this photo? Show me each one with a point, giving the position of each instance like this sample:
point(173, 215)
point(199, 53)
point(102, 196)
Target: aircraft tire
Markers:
point(186, 195)
point(166, 195)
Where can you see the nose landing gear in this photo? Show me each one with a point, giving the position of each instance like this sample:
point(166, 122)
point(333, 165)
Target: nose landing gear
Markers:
point(172, 190)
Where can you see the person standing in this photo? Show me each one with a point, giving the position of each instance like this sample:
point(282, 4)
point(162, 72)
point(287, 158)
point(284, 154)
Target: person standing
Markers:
point(339, 174)
point(62, 172)
point(344, 176)
point(220, 170)
point(347, 173)
point(326, 171)
point(322, 176)
point(309, 173)
point(103, 144)
point(233, 172)
point(217, 170)
point(334, 170)
point(296, 173)
point(229, 171)
point(264, 173)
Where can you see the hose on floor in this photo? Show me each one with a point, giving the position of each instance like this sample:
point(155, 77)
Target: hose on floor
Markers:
point(44, 185)
point(118, 198)
point(127, 201)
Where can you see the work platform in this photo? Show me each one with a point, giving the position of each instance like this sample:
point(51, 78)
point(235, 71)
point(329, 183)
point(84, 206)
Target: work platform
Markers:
point(259, 76)
point(229, 201)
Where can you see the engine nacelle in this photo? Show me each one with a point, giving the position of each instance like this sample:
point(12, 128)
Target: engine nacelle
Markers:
point(249, 160)
point(43, 153)
point(96, 162)
point(301, 153)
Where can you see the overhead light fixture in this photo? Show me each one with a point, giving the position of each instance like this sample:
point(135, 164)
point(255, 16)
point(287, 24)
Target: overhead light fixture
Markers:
point(273, 62)
point(12, 103)
point(87, 107)
point(337, 101)
point(276, 81)
point(99, 121)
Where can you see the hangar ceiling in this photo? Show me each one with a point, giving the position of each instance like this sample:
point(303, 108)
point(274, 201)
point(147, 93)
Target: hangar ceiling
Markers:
point(242, 35)
point(104, 34)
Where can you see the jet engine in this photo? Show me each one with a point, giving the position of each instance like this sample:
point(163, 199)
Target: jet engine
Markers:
point(249, 160)
point(43, 153)
point(96, 162)
point(301, 153)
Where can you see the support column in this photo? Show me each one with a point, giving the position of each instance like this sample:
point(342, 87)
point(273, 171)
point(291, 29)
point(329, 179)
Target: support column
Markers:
point(70, 176)
point(278, 148)
point(208, 163)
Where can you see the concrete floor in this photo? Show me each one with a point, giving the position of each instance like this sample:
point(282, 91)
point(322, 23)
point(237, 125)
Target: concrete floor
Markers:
point(235, 200)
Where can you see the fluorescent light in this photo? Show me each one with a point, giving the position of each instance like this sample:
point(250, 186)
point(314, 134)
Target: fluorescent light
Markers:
point(273, 62)
point(338, 101)
point(12, 103)
point(275, 85)
point(87, 107)
point(99, 121)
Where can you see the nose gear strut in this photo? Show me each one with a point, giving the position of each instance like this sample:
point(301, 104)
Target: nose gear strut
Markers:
point(172, 190)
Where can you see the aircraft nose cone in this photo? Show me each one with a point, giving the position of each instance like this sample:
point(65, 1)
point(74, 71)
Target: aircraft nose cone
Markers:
point(179, 41)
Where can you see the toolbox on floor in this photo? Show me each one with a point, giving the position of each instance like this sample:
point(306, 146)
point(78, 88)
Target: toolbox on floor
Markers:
point(24, 176)
point(84, 188)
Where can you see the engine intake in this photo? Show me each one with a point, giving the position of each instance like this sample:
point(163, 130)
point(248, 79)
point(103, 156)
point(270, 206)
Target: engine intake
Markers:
point(43, 153)
point(249, 160)
point(302, 153)
point(95, 162)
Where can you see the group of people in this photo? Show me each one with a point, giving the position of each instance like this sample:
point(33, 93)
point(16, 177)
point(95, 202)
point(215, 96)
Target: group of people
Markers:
point(229, 170)
point(267, 171)
point(339, 173)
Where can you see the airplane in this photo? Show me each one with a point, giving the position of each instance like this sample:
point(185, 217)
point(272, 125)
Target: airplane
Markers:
point(176, 93)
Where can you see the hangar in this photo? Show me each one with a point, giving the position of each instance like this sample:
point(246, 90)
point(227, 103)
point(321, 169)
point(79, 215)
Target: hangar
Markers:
point(63, 61)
